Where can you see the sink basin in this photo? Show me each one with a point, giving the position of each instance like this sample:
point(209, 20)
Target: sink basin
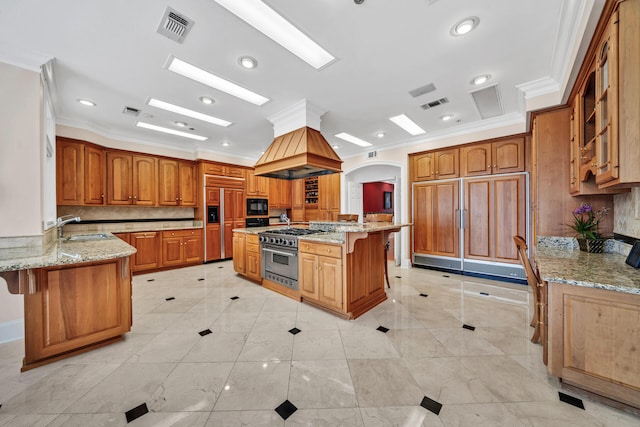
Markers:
point(84, 237)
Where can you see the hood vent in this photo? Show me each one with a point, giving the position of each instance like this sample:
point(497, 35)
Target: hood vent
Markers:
point(434, 103)
point(301, 153)
point(488, 102)
point(174, 25)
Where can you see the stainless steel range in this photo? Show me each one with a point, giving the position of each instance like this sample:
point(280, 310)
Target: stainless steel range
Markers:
point(280, 255)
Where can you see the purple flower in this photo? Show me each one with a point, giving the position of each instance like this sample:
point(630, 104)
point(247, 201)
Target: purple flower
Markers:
point(584, 208)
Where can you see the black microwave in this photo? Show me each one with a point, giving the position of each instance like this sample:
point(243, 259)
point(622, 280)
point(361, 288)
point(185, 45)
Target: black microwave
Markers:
point(257, 207)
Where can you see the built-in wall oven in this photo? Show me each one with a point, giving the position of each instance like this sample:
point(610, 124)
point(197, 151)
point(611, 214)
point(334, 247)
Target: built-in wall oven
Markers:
point(257, 207)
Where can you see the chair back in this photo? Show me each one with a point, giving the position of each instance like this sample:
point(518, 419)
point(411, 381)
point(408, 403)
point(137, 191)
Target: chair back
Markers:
point(348, 217)
point(533, 279)
point(378, 217)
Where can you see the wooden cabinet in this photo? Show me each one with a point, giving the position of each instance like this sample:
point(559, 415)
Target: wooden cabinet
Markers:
point(440, 164)
point(219, 169)
point(297, 200)
point(180, 247)
point(320, 274)
point(94, 175)
point(495, 211)
point(80, 173)
point(257, 186)
point(234, 216)
point(214, 244)
point(436, 218)
point(76, 307)
point(253, 263)
point(279, 193)
point(329, 196)
point(239, 264)
point(504, 156)
point(148, 246)
point(177, 183)
point(131, 179)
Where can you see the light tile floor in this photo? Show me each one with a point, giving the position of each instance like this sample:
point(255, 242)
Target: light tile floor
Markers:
point(336, 372)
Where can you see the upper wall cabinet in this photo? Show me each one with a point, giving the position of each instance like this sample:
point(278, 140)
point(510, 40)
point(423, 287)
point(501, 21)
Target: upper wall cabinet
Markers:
point(440, 164)
point(489, 158)
point(131, 179)
point(177, 183)
point(257, 186)
point(210, 168)
point(80, 173)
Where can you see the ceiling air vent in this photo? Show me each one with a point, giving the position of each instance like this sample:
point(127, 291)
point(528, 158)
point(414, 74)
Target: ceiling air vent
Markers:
point(435, 103)
point(174, 25)
point(487, 102)
point(422, 90)
point(131, 111)
point(372, 154)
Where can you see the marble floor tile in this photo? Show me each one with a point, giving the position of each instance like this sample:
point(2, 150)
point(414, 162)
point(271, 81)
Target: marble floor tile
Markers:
point(267, 346)
point(84, 420)
point(255, 385)
point(397, 318)
point(433, 317)
point(118, 352)
point(171, 419)
point(367, 344)
point(235, 322)
point(153, 322)
point(166, 347)
point(463, 342)
point(26, 420)
point(410, 416)
point(316, 319)
point(321, 384)
point(245, 304)
point(510, 340)
point(384, 382)
point(266, 418)
point(193, 321)
point(318, 345)
point(191, 387)
point(13, 382)
point(279, 303)
point(543, 414)
point(416, 343)
point(217, 347)
point(347, 417)
point(480, 415)
point(275, 321)
point(178, 305)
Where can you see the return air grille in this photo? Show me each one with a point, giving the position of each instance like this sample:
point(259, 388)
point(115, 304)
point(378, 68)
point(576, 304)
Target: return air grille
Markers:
point(434, 103)
point(131, 111)
point(174, 25)
point(487, 102)
point(422, 90)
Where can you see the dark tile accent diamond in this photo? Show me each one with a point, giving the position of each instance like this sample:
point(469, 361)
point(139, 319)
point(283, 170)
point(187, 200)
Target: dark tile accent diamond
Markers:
point(234, 298)
point(424, 295)
point(170, 299)
point(137, 412)
point(469, 327)
point(201, 279)
point(571, 400)
point(398, 277)
point(445, 275)
point(205, 332)
point(286, 409)
point(484, 293)
point(431, 405)
point(151, 280)
point(382, 329)
point(294, 331)
point(220, 267)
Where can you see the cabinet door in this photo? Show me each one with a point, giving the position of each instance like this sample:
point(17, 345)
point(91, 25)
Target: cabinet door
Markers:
point(257, 186)
point(228, 239)
point(119, 179)
point(94, 176)
point(239, 206)
point(308, 275)
point(172, 251)
point(446, 164)
point(234, 172)
point(69, 172)
point(508, 156)
point(424, 167)
point(213, 196)
point(144, 181)
point(229, 204)
point(239, 264)
point(329, 191)
point(475, 160)
point(213, 242)
point(423, 218)
point(193, 247)
point(285, 194)
point(252, 263)
point(188, 184)
point(275, 194)
point(606, 104)
point(297, 194)
point(148, 255)
point(168, 182)
point(436, 219)
point(330, 281)
point(574, 147)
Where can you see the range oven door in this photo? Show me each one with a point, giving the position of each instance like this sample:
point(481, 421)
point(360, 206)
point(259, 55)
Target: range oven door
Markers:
point(280, 261)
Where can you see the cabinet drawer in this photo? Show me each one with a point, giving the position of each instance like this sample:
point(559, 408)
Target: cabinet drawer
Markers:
point(324, 250)
point(181, 233)
point(253, 248)
point(252, 239)
point(212, 169)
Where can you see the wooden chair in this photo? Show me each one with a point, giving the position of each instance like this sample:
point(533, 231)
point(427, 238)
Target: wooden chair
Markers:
point(348, 217)
point(382, 218)
point(537, 285)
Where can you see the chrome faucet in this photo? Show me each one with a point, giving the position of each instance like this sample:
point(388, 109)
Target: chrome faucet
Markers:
point(64, 220)
point(284, 217)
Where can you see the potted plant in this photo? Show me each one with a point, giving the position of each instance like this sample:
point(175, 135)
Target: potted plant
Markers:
point(586, 221)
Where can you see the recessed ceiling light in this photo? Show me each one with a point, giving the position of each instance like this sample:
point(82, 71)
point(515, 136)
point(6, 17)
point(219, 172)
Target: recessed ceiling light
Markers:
point(447, 117)
point(352, 139)
point(186, 112)
point(206, 100)
point(335, 146)
point(380, 134)
point(465, 26)
point(480, 79)
point(267, 21)
point(147, 115)
point(407, 124)
point(247, 62)
point(225, 144)
point(171, 131)
point(192, 72)
point(180, 124)
point(87, 103)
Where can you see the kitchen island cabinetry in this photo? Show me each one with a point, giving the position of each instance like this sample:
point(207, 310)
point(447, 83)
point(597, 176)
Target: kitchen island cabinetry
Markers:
point(247, 256)
point(239, 253)
point(320, 274)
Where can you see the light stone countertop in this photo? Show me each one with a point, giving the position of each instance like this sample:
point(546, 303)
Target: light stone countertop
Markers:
point(65, 252)
point(131, 227)
point(602, 271)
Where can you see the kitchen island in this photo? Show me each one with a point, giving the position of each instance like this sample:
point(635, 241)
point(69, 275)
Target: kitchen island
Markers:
point(340, 269)
point(593, 320)
point(77, 295)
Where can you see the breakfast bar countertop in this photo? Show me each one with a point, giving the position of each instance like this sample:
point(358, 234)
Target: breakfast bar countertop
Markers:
point(606, 271)
point(64, 252)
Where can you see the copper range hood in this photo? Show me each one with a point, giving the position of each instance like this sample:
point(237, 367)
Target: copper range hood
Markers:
point(298, 153)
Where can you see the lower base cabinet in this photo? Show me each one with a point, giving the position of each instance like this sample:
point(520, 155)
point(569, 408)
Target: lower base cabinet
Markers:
point(148, 256)
point(76, 307)
point(181, 247)
point(239, 265)
point(320, 274)
point(247, 256)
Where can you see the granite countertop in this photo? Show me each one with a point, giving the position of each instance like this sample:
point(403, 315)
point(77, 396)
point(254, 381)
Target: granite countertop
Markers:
point(131, 227)
point(65, 252)
point(603, 271)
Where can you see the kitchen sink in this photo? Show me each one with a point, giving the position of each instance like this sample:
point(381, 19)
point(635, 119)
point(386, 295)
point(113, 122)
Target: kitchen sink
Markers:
point(84, 237)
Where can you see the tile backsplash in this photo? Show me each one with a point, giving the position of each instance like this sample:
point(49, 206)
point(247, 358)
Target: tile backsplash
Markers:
point(124, 213)
point(627, 213)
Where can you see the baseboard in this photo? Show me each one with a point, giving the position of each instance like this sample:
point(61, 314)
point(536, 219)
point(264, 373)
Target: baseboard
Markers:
point(11, 330)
